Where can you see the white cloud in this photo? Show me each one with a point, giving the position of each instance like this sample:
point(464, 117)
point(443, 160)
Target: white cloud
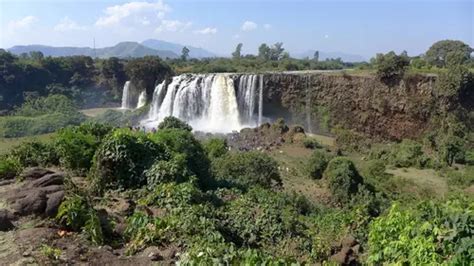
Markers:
point(267, 26)
point(117, 14)
point(23, 23)
point(206, 31)
point(67, 24)
point(172, 26)
point(326, 36)
point(249, 26)
point(236, 36)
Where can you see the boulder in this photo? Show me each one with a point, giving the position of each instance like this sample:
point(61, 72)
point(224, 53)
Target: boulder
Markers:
point(48, 180)
point(5, 220)
point(33, 203)
point(52, 204)
point(34, 173)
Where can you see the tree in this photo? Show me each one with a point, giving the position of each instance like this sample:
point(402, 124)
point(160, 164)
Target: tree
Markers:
point(147, 71)
point(184, 53)
point(437, 54)
point(264, 51)
point(276, 51)
point(237, 53)
point(391, 67)
point(316, 56)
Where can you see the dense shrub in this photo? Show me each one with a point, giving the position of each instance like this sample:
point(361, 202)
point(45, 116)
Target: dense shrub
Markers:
point(46, 105)
point(376, 170)
point(215, 147)
point(123, 117)
point(431, 233)
point(76, 145)
point(317, 163)
point(391, 67)
point(311, 143)
point(173, 122)
point(18, 126)
point(9, 167)
point(407, 153)
point(179, 141)
point(343, 178)
point(262, 218)
point(173, 170)
point(34, 153)
point(121, 159)
point(452, 149)
point(244, 169)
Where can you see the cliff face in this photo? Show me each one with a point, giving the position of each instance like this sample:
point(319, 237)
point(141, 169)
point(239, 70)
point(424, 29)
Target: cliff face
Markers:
point(361, 103)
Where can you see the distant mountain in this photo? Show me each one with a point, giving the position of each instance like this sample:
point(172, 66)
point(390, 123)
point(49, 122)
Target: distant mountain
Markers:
point(122, 50)
point(326, 55)
point(194, 52)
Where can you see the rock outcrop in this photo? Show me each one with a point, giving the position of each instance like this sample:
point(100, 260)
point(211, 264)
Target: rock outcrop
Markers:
point(362, 103)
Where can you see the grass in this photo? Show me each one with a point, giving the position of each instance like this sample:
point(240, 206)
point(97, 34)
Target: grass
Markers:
point(6, 144)
point(93, 112)
point(323, 140)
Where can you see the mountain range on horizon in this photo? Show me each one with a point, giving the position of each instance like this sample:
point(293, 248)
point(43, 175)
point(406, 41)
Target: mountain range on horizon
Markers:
point(155, 47)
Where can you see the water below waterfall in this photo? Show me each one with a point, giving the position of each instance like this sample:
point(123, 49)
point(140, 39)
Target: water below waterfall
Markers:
point(209, 102)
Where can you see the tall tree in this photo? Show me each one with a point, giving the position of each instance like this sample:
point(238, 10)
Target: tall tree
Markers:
point(237, 53)
point(264, 51)
point(316, 56)
point(184, 53)
point(276, 51)
point(437, 53)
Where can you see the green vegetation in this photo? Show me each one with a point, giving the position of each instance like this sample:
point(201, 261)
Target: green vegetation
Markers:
point(173, 122)
point(317, 163)
point(247, 169)
point(343, 179)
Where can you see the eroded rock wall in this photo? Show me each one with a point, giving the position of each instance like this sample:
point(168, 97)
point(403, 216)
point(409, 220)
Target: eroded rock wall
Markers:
point(361, 103)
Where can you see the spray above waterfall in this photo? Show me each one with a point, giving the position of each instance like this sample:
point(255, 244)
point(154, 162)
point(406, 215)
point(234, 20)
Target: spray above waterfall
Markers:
point(209, 102)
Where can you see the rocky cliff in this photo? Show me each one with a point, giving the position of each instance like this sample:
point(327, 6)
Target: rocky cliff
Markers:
point(361, 103)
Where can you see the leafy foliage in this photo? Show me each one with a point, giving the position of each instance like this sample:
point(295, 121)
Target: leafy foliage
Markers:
point(173, 122)
point(122, 158)
point(317, 163)
point(430, 233)
point(246, 169)
point(343, 178)
point(76, 145)
point(391, 67)
point(173, 170)
point(9, 167)
point(438, 52)
point(34, 153)
point(215, 147)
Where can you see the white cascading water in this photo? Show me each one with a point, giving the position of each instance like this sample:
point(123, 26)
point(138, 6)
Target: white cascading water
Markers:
point(126, 96)
point(141, 99)
point(260, 101)
point(208, 102)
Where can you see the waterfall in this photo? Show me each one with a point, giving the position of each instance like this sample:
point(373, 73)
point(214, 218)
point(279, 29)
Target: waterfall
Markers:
point(246, 98)
point(126, 96)
point(141, 99)
point(260, 101)
point(208, 102)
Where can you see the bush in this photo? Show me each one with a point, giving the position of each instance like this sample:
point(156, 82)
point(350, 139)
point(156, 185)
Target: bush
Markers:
point(122, 158)
point(317, 163)
point(391, 67)
point(174, 170)
point(343, 179)
point(376, 170)
point(9, 167)
point(55, 103)
point(76, 213)
point(173, 122)
point(19, 126)
point(215, 147)
point(76, 145)
point(431, 233)
point(178, 141)
point(35, 153)
point(123, 118)
point(311, 143)
point(407, 153)
point(245, 169)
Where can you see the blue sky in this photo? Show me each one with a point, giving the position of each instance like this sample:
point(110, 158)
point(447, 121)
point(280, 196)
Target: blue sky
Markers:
point(358, 27)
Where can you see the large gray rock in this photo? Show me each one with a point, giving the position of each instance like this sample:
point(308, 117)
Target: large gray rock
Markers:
point(52, 204)
point(35, 172)
point(48, 180)
point(33, 203)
